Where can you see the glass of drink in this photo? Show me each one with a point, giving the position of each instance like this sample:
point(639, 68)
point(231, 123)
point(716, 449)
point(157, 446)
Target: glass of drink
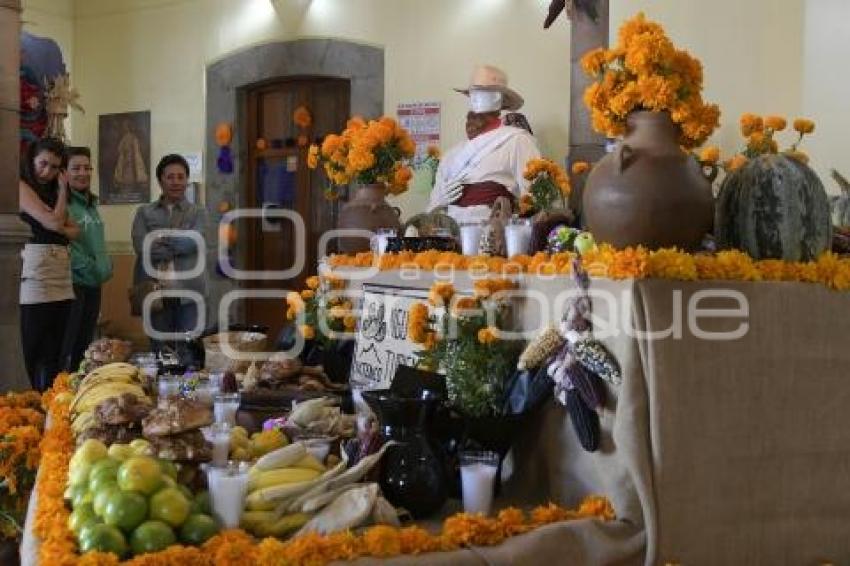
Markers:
point(470, 237)
point(228, 485)
point(218, 434)
point(379, 241)
point(225, 406)
point(518, 236)
point(478, 475)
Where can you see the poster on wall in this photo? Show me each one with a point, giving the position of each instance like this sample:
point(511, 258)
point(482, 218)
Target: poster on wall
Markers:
point(422, 120)
point(381, 344)
point(124, 157)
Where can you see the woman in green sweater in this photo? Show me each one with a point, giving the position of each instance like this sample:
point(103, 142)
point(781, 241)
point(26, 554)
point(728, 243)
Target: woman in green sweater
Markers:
point(90, 264)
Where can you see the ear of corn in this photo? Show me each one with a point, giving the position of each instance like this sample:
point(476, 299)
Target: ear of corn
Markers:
point(540, 349)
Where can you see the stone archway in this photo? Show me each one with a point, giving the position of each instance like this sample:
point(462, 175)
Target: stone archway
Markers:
point(226, 79)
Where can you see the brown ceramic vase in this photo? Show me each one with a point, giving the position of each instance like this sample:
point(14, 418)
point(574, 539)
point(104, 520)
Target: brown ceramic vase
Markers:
point(368, 210)
point(648, 191)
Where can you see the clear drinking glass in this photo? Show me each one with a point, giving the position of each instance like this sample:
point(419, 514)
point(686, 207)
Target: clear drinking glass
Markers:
point(218, 434)
point(470, 237)
point(228, 485)
point(518, 236)
point(379, 241)
point(478, 475)
point(225, 406)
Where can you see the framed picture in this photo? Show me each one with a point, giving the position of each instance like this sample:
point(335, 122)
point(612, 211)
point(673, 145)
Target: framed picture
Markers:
point(124, 157)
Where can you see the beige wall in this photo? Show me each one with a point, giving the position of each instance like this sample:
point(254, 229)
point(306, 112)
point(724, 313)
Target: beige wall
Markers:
point(150, 55)
point(826, 86)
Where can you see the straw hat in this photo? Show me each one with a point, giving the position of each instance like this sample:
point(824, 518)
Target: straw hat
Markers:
point(487, 77)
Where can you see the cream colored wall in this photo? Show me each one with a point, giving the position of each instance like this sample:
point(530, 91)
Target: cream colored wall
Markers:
point(151, 54)
point(826, 86)
point(751, 52)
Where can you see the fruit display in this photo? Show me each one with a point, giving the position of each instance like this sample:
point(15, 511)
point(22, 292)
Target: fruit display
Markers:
point(289, 489)
point(105, 351)
point(109, 404)
point(173, 430)
point(127, 502)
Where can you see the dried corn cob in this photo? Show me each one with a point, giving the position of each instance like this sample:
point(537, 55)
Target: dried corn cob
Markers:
point(587, 385)
point(540, 349)
point(593, 355)
point(585, 421)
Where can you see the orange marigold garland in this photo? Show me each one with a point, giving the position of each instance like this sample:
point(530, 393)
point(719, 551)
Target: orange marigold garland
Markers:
point(631, 263)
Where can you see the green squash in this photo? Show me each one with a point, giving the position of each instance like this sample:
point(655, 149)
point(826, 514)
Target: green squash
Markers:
point(774, 207)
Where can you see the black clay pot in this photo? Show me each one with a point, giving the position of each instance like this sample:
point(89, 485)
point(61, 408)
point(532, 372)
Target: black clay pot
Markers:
point(412, 471)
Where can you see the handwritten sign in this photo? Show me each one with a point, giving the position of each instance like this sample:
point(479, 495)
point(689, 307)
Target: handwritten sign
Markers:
point(381, 344)
point(422, 121)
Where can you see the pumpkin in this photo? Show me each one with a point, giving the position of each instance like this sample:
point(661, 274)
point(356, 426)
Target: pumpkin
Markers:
point(841, 204)
point(774, 207)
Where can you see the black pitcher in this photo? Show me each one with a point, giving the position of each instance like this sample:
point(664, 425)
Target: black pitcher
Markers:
point(412, 471)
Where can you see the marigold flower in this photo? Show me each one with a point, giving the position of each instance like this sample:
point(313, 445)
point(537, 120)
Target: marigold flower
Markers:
point(804, 126)
point(710, 155)
point(750, 124)
point(487, 335)
point(307, 331)
point(307, 294)
point(580, 167)
point(302, 117)
point(736, 162)
point(441, 293)
point(312, 282)
point(775, 123)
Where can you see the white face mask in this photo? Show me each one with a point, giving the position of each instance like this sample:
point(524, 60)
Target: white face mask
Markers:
point(485, 101)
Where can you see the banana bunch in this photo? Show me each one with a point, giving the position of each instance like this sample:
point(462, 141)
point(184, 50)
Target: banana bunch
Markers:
point(287, 470)
point(105, 382)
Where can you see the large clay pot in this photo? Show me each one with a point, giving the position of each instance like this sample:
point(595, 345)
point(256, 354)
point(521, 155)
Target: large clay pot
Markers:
point(368, 210)
point(648, 191)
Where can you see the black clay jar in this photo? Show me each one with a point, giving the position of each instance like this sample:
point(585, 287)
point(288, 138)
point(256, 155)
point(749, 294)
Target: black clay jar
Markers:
point(412, 471)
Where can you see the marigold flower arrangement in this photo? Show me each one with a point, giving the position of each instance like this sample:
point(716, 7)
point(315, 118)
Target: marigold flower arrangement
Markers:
point(760, 132)
point(236, 547)
point(549, 184)
point(322, 310)
point(645, 71)
point(374, 152)
point(460, 337)
point(21, 427)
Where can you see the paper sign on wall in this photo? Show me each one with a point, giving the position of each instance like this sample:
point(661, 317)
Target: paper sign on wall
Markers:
point(422, 120)
point(381, 344)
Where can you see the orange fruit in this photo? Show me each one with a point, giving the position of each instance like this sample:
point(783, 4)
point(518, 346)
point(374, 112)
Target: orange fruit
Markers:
point(197, 529)
point(103, 538)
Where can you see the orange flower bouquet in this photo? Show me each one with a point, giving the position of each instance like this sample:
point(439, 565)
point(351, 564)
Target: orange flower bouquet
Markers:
point(20, 434)
point(549, 184)
point(374, 152)
point(645, 71)
point(461, 339)
point(760, 134)
point(322, 310)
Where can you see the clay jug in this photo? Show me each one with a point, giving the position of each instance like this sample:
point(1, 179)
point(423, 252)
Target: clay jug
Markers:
point(368, 210)
point(648, 191)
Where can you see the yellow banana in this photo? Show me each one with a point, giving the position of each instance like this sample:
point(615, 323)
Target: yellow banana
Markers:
point(310, 462)
point(95, 396)
point(282, 457)
point(283, 526)
point(280, 476)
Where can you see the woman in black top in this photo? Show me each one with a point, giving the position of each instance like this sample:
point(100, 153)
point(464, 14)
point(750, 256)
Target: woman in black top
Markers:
point(46, 290)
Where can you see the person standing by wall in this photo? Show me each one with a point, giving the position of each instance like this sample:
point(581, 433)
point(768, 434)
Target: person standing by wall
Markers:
point(91, 266)
point(46, 291)
point(171, 254)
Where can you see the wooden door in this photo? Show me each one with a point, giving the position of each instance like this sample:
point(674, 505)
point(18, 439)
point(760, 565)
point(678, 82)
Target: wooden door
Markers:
point(278, 177)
